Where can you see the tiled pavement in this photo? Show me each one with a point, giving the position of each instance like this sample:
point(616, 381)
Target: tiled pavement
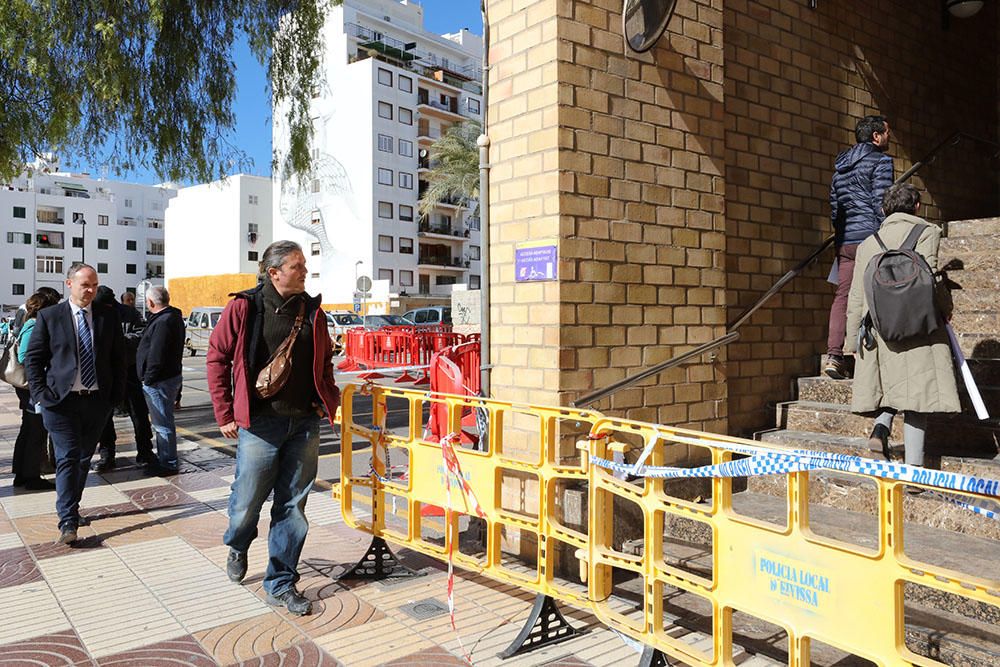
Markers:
point(146, 585)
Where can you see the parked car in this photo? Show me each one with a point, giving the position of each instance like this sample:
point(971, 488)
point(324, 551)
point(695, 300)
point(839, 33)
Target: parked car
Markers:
point(199, 325)
point(429, 315)
point(338, 323)
point(379, 321)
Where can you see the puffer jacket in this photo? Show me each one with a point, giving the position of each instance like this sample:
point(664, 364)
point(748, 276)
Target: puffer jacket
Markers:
point(916, 374)
point(863, 174)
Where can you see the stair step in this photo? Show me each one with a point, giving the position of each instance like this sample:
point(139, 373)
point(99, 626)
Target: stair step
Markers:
point(974, 227)
point(976, 265)
point(974, 300)
point(821, 389)
point(978, 345)
point(982, 322)
point(949, 434)
point(970, 243)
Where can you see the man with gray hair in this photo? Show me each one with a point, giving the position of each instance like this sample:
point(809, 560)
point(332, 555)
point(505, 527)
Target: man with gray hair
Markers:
point(275, 416)
point(158, 365)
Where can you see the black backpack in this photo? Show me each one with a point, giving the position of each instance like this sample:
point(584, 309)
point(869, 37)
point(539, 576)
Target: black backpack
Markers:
point(899, 287)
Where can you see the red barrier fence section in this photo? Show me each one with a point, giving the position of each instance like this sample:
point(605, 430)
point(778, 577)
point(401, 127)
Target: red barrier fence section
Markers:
point(400, 347)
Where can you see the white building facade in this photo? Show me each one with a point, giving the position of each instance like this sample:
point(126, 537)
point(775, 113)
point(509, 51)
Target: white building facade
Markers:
point(50, 220)
point(389, 89)
point(217, 228)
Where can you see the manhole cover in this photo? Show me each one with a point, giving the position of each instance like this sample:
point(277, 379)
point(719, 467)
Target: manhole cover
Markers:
point(423, 610)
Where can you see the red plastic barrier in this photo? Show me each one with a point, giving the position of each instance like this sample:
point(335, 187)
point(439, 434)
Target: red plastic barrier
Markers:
point(396, 347)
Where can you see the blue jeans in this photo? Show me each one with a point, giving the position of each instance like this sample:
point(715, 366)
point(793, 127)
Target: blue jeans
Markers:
point(277, 454)
point(74, 425)
point(160, 397)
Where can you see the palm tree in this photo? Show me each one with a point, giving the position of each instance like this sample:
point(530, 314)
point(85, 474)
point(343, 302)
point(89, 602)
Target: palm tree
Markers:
point(455, 170)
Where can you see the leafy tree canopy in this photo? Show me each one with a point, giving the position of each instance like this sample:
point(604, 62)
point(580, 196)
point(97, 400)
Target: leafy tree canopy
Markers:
point(454, 172)
point(149, 83)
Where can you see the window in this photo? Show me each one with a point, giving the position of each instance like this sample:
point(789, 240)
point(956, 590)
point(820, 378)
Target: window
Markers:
point(385, 274)
point(405, 213)
point(130, 245)
point(252, 227)
point(314, 275)
point(473, 106)
point(406, 278)
point(102, 267)
point(18, 237)
point(405, 84)
point(474, 253)
point(473, 282)
point(48, 217)
point(19, 262)
point(384, 176)
point(129, 268)
point(154, 248)
point(128, 203)
point(385, 143)
point(17, 289)
point(384, 76)
point(316, 218)
point(385, 110)
point(384, 243)
point(102, 220)
point(252, 256)
point(405, 148)
point(405, 116)
point(315, 186)
point(405, 245)
point(20, 212)
point(102, 244)
point(385, 209)
point(405, 180)
point(253, 199)
point(48, 264)
point(49, 240)
point(77, 241)
point(314, 249)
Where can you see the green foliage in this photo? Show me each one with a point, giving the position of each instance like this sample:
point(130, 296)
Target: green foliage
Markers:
point(455, 166)
point(150, 83)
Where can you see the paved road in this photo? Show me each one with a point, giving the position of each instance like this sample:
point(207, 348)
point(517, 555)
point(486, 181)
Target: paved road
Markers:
point(196, 421)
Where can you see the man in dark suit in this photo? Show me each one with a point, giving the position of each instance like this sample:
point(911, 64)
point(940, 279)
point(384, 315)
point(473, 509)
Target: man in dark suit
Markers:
point(76, 372)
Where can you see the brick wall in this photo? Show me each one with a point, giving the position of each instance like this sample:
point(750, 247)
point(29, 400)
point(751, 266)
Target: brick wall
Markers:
point(795, 82)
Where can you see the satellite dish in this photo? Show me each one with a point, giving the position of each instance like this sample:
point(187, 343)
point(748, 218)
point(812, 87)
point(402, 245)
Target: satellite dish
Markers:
point(643, 21)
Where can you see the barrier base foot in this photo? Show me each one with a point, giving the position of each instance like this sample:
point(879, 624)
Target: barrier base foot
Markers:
point(653, 657)
point(545, 626)
point(379, 563)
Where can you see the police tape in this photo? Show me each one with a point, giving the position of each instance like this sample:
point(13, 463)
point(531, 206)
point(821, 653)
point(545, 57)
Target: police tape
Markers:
point(761, 462)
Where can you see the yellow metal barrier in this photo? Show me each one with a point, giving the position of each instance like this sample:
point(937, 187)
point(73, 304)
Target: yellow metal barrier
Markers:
point(816, 588)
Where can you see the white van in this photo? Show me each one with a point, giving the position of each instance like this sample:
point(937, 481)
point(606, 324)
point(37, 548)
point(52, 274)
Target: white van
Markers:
point(199, 326)
point(429, 315)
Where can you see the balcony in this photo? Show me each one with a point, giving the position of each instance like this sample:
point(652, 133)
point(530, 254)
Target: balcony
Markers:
point(441, 232)
point(448, 110)
point(442, 262)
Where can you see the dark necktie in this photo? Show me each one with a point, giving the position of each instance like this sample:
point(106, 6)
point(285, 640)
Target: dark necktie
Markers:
point(88, 372)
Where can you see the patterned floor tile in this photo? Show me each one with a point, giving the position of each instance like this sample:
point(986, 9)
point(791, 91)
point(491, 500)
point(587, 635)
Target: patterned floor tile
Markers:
point(235, 642)
point(9, 539)
point(110, 607)
point(217, 498)
point(197, 481)
point(171, 653)
point(52, 650)
point(434, 656)
point(359, 646)
point(101, 495)
point(202, 532)
point(192, 588)
point(305, 654)
point(333, 608)
point(160, 497)
point(29, 611)
point(39, 533)
point(127, 527)
point(17, 567)
point(30, 503)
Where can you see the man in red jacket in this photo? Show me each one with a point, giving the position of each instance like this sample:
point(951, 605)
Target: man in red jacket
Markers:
point(278, 436)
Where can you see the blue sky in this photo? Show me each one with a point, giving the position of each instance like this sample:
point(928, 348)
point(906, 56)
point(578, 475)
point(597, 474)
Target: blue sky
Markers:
point(252, 108)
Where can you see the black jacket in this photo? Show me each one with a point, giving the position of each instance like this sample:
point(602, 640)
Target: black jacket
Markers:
point(162, 346)
point(51, 359)
point(863, 174)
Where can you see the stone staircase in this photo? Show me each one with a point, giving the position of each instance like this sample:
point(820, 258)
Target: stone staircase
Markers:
point(948, 628)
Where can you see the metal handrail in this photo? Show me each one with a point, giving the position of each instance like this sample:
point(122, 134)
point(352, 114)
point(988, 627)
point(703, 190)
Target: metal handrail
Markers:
point(732, 332)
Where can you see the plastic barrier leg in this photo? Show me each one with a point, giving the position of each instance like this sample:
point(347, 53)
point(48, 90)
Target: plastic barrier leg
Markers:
point(545, 626)
point(379, 563)
point(652, 657)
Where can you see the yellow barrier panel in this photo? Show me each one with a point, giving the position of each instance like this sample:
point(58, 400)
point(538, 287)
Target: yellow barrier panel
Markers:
point(777, 569)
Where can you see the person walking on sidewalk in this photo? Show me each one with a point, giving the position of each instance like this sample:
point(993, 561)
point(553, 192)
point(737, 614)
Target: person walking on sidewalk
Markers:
point(76, 372)
point(915, 375)
point(275, 417)
point(862, 175)
point(158, 365)
point(32, 438)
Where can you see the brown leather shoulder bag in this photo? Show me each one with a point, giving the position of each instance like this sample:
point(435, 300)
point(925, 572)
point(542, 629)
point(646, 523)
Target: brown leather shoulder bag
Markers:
point(275, 374)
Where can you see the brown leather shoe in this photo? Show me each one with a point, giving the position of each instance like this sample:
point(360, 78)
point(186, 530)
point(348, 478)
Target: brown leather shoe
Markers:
point(835, 367)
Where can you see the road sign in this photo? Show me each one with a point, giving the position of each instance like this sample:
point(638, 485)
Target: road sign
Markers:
point(364, 283)
point(357, 306)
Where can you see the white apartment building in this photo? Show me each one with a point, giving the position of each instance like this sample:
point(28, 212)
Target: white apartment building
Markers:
point(218, 228)
point(50, 219)
point(389, 89)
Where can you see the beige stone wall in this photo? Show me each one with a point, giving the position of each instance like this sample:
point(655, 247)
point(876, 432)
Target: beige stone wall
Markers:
point(619, 157)
point(796, 80)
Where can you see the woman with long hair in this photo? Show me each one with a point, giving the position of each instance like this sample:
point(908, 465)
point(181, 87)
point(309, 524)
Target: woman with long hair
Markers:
point(29, 448)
